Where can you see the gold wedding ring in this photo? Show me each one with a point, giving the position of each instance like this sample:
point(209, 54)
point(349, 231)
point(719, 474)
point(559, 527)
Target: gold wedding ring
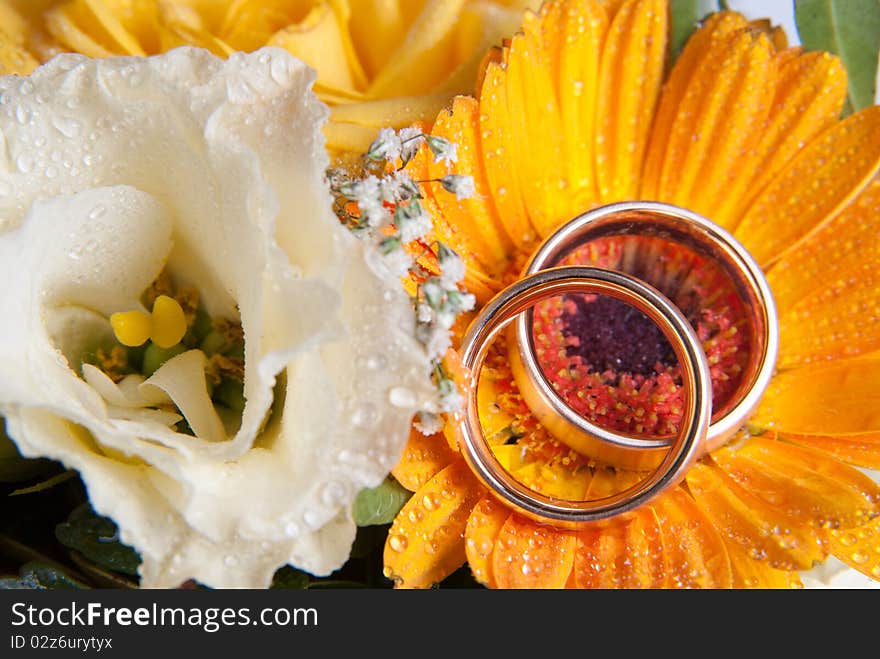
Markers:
point(678, 452)
point(696, 233)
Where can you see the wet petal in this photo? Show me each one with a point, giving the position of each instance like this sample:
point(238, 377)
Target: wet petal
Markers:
point(718, 27)
point(476, 215)
point(861, 450)
point(481, 534)
point(824, 177)
point(630, 78)
point(749, 573)
point(624, 554)
point(530, 555)
point(838, 398)
point(695, 554)
point(423, 458)
point(718, 120)
point(802, 484)
point(859, 548)
point(426, 540)
point(742, 517)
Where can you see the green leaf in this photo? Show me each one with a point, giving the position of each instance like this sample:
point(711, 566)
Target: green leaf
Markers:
point(288, 578)
point(686, 14)
point(97, 539)
point(379, 505)
point(850, 29)
point(39, 576)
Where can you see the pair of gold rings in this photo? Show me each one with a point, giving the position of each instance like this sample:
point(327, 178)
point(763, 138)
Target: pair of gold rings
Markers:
point(702, 428)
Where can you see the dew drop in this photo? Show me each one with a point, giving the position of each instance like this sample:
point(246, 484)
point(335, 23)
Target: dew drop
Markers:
point(67, 126)
point(291, 530)
point(230, 561)
point(397, 542)
point(25, 163)
point(97, 212)
point(365, 416)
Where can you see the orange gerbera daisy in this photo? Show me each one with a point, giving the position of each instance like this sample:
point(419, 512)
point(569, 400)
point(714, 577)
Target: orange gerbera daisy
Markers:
point(575, 112)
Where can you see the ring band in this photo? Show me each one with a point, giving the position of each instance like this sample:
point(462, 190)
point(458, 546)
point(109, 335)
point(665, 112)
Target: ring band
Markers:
point(687, 445)
point(652, 219)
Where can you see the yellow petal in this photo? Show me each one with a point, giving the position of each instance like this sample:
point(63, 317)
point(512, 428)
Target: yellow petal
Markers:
point(76, 28)
point(859, 548)
point(802, 484)
point(630, 78)
point(377, 26)
point(319, 39)
point(742, 517)
point(475, 216)
point(530, 555)
point(426, 541)
point(14, 58)
point(423, 458)
point(536, 126)
point(483, 526)
point(719, 121)
point(117, 17)
point(348, 137)
point(694, 554)
point(395, 112)
point(861, 450)
point(824, 177)
point(584, 31)
point(851, 238)
point(717, 28)
point(824, 399)
point(421, 60)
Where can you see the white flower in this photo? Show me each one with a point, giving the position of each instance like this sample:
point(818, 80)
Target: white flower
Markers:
point(116, 170)
point(463, 187)
point(443, 149)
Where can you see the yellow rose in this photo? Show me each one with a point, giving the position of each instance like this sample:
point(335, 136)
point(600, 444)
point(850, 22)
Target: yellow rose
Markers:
point(379, 62)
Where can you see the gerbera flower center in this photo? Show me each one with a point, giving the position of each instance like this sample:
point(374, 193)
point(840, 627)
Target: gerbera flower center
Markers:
point(612, 364)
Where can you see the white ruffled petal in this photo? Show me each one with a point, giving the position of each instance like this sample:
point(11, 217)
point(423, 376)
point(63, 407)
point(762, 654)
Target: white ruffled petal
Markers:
point(112, 171)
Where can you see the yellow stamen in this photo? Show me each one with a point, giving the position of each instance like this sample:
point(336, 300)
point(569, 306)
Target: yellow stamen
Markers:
point(132, 328)
point(169, 322)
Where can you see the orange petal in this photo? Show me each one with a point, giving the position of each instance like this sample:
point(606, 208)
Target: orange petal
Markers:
point(623, 554)
point(859, 548)
point(530, 555)
point(717, 27)
point(810, 93)
point(851, 238)
point(836, 398)
point(743, 517)
point(477, 215)
point(630, 78)
point(824, 177)
point(694, 552)
point(749, 573)
point(719, 121)
point(583, 35)
point(861, 450)
point(840, 319)
point(423, 458)
point(483, 526)
point(802, 484)
point(499, 153)
point(426, 540)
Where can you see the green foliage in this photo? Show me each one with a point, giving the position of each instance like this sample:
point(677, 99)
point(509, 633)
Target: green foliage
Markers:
point(13, 467)
point(686, 14)
point(35, 575)
point(288, 578)
point(97, 539)
point(850, 29)
point(379, 505)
